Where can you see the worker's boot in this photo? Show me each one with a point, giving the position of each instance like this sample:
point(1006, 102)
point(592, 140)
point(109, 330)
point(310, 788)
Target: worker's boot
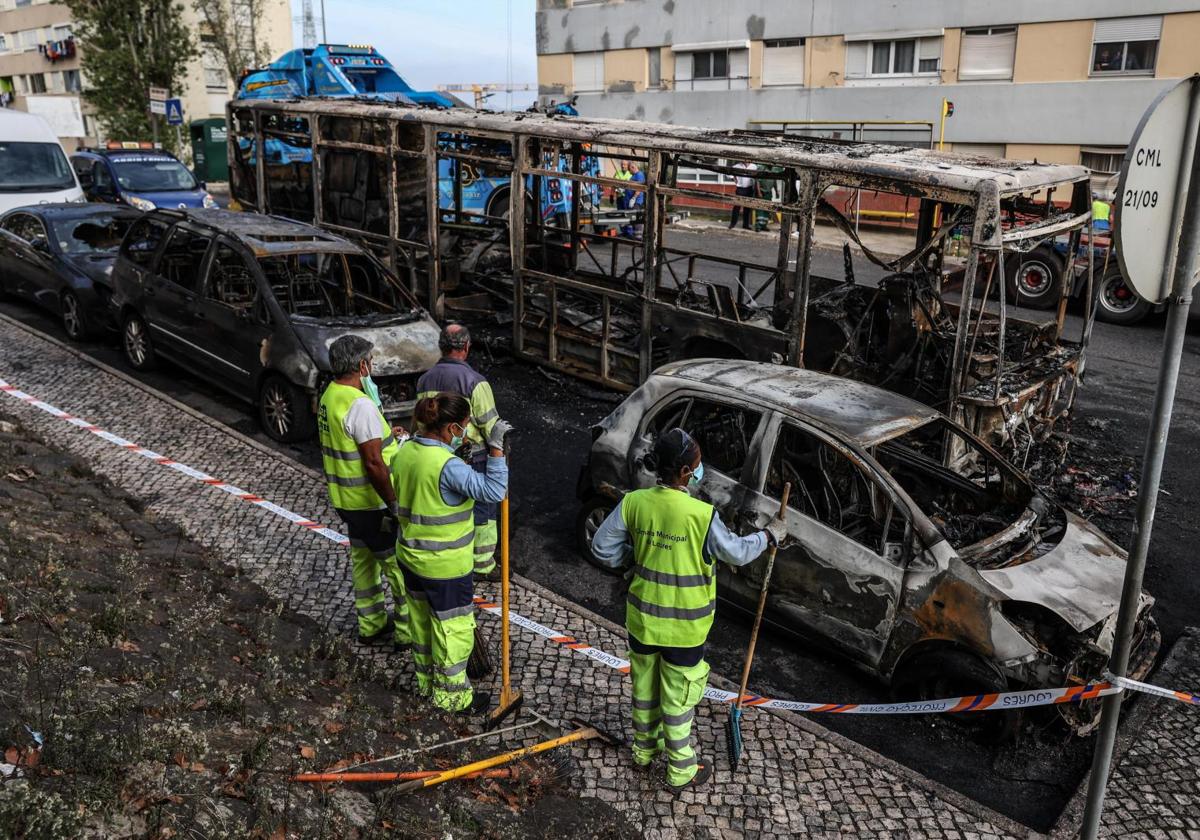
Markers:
point(480, 703)
point(382, 636)
point(704, 772)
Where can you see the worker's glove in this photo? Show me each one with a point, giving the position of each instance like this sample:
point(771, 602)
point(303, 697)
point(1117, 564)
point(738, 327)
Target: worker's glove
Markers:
point(776, 531)
point(500, 430)
point(391, 520)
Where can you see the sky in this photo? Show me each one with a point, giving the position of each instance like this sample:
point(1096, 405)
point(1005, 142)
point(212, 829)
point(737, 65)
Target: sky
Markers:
point(432, 42)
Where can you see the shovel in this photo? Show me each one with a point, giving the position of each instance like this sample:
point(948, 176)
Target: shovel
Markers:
point(510, 701)
point(733, 726)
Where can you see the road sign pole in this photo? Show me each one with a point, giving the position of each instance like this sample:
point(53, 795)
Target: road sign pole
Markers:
point(1181, 268)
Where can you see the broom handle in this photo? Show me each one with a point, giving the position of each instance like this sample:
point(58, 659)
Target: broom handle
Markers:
point(402, 776)
point(762, 602)
point(505, 688)
point(583, 734)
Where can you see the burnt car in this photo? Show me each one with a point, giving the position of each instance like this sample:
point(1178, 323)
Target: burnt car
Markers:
point(914, 549)
point(251, 303)
point(60, 256)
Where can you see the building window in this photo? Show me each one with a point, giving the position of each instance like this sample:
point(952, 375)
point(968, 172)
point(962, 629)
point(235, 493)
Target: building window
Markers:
point(54, 82)
point(29, 38)
point(216, 79)
point(905, 57)
point(588, 72)
point(36, 83)
point(783, 62)
point(72, 81)
point(3, 43)
point(987, 53)
point(1126, 45)
point(62, 32)
point(654, 61)
point(710, 64)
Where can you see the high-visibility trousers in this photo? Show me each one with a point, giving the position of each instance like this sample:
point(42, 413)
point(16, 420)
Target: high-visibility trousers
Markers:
point(442, 618)
point(373, 558)
point(667, 685)
point(486, 532)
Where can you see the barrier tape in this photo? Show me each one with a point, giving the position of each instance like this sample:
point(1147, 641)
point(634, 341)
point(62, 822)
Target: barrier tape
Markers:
point(970, 703)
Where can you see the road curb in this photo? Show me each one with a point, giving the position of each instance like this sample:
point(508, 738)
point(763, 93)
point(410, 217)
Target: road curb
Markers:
point(865, 754)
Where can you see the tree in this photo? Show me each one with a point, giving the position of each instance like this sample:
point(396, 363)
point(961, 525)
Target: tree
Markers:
point(233, 34)
point(129, 46)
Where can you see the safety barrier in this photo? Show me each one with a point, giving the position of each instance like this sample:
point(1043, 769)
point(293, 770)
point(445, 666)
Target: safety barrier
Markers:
point(972, 703)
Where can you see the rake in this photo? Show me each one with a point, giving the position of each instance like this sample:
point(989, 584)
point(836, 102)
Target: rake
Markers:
point(733, 726)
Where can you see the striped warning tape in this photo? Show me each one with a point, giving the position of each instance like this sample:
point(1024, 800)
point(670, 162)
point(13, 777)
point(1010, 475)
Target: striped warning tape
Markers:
point(972, 703)
point(191, 472)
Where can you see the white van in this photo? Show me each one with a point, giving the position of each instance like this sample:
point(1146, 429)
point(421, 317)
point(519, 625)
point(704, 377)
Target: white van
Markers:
point(33, 167)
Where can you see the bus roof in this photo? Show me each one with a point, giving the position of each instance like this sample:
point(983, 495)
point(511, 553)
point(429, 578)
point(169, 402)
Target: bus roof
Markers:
point(966, 174)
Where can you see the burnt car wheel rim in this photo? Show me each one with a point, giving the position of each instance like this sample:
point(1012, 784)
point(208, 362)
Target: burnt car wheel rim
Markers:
point(277, 409)
point(70, 315)
point(1033, 279)
point(135, 341)
point(592, 524)
point(1116, 296)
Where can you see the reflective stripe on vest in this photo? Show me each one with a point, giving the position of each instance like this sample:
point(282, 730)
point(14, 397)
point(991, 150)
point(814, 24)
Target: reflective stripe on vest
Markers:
point(673, 595)
point(349, 487)
point(435, 539)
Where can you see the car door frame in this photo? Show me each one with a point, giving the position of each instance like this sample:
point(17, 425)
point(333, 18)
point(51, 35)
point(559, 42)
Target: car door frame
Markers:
point(867, 646)
point(722, 491)
point(28, 261)
point(178, 343)
point(214, 317)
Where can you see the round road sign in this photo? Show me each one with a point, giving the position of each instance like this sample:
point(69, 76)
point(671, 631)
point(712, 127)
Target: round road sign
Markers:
point(1149, 201)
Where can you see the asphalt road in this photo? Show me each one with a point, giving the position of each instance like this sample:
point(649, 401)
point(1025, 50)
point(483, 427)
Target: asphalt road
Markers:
point(1029, 781)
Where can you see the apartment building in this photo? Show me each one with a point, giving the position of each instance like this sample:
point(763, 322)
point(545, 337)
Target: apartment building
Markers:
point(41, 69)
point(1062, 82)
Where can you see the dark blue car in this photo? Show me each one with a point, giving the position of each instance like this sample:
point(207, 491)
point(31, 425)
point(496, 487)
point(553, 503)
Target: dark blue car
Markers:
point(60, 256)
point(143, 178)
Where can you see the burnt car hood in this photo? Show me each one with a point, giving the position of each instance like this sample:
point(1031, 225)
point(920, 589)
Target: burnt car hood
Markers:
point(406, 343)
point(96, 267)
point(1079, 580)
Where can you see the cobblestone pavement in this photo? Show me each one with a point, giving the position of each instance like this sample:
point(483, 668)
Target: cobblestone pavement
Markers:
point(796, 778)
point(1154, 788)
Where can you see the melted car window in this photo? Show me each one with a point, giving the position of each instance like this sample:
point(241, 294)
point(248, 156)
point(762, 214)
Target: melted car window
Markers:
point(830, 488)
point(968, 493)
point(93, 235)
point(332, 285)
point(230, 281)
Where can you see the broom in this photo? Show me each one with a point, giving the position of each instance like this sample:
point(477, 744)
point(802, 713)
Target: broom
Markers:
point(733, 726)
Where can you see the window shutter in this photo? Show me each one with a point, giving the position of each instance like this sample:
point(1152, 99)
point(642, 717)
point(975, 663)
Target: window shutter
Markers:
point(783, 66)
point(589, 71)
point(987, 56)
point(739, 64)
point(857, 59)
point(1128, 29)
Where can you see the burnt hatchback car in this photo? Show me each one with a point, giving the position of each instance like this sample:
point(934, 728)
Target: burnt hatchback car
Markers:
point(60, 256)
point(251, 303)
point(913, 550)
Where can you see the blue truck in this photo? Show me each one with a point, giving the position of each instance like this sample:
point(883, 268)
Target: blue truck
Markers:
point(359, 71)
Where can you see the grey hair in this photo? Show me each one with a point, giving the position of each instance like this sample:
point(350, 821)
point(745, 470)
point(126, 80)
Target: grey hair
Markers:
point(347, 353)
point(455, 336)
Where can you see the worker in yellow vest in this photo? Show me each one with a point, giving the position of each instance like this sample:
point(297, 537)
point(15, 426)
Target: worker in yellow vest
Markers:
point(357, 447)
point(436, 494)
point(1101, 213)
point(674, 540)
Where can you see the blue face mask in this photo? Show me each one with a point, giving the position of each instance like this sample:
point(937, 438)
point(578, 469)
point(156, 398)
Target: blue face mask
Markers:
point(372, 391)
point(456, 441)
point(697, 476)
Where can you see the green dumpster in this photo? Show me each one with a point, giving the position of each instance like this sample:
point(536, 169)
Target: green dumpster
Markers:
point(208, 149)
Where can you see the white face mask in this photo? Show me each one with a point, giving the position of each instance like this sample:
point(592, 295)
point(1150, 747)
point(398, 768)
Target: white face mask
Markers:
point(457, 440)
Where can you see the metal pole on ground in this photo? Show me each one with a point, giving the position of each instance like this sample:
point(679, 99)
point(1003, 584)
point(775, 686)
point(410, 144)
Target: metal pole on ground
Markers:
point(1185, 261)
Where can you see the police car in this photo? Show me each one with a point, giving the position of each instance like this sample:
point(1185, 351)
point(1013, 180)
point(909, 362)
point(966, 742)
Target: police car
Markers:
point(140, 175)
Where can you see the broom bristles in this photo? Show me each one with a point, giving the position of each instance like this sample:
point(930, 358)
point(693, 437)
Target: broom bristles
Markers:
point(733, 737)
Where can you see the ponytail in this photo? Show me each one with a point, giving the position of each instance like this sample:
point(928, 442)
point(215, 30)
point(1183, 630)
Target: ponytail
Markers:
point(438, 412)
